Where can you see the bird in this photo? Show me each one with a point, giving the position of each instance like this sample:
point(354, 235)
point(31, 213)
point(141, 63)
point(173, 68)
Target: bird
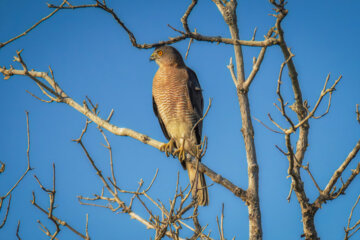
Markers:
point(178, 104)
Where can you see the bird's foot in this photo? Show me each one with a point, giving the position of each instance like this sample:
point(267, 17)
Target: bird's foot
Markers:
point(168, 147)
point(180, 152)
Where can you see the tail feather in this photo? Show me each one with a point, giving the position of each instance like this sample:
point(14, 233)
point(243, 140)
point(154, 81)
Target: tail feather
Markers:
point(199, 188)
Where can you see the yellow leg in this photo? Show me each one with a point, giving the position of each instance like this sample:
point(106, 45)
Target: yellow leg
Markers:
point(180, 152)
point(168, 147)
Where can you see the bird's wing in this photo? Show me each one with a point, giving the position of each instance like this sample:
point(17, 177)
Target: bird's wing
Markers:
point(197, 101)
point(162, 125)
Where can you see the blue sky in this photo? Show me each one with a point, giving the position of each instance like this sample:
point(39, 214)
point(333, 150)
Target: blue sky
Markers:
point(92, 56)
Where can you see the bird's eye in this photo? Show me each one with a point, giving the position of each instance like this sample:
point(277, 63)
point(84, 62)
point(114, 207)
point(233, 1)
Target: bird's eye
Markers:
point(160, 53)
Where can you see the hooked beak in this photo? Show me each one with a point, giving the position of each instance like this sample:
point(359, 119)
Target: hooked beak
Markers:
point(153, 56)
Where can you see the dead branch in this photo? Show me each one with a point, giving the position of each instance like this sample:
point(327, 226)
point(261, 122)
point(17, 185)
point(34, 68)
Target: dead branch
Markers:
point(228, 12)
point(275, 123)
point(231, 69)
point(266, 126)
point(257, 61)
point(254, 34)
point(307, 169)
point(297, 185)
point(221, 224)
point(356, 226)
point(7, 211)
point(184, 35)
point(328, 193)
point(311, 113)
point(8, 194)
point(186, 15)
point(108, 146)
point(49, 212)
point(323, 93)
point(300, 107)
point(278, 92)
point(32, 27)
point(45, 230)
point(17, 231)
point(188, 49)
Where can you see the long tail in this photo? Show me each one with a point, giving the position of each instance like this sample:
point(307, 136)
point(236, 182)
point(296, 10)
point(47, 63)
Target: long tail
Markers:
point(199, 189)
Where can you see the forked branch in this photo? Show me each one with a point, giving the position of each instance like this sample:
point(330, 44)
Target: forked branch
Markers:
point(352, 230)
point(2, 169)
point(49, 212)
point(185, 35)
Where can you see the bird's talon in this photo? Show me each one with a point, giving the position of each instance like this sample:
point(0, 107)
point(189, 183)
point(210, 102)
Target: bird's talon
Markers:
point(167, 147)
point(180, 153)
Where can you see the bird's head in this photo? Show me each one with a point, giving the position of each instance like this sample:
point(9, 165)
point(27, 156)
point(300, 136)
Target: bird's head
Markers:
point(167, 56)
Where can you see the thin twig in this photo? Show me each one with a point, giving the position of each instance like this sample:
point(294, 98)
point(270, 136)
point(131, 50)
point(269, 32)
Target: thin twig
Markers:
point(333, 180)
point(267, 126)
point(7, 211)
point(33, 26)
point(2, 198)
point(203, 117)
point(324, 92)
point(356, 226)
point(254, 34)
point(231, 69)
point(307, 169)
point(18, 230)
point(49, 212)
point(188, 49)
point(186, 15)
point(258, 61)
point(281, 100)
point(221, 224)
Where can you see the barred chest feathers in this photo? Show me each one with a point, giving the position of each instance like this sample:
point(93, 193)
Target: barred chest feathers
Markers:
point(172, 99)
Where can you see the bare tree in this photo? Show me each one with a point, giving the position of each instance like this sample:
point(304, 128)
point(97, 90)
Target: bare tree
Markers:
point(183, 211)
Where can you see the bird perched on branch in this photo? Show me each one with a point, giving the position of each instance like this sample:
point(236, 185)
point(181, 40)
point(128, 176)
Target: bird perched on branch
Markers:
point(178, 103)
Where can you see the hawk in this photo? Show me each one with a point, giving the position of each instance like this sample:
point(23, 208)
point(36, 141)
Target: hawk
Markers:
point(178, 104)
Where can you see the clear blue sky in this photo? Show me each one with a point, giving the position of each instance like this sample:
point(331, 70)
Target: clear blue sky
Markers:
point(92, 56)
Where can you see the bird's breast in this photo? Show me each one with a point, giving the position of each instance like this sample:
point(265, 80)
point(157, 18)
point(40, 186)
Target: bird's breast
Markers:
point(171, 95)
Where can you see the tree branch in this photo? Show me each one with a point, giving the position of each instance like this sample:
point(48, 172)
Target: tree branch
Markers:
point(258, 61)
point(57, 222)
point(185, 35)
point(328, 193)
point(2, 169)
point(33, 26)
point(228, 12)
point(356, 226)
